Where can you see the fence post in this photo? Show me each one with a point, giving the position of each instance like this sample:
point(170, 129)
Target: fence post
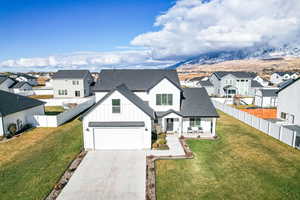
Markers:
point(294, 139)
point(280, 132)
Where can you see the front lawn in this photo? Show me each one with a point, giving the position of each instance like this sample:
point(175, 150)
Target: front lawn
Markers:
point(242, 164)
point(42, 96)
point(54, 110)
point(31, 164)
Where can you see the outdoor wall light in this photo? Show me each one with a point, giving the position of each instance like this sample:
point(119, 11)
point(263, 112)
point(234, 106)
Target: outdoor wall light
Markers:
point(87, 129)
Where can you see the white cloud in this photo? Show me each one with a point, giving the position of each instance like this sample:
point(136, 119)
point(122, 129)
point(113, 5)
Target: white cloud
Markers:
point(89, 60)
point(192, 27)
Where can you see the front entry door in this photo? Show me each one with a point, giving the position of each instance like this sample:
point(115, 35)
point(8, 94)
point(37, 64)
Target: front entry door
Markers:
point(170, 124)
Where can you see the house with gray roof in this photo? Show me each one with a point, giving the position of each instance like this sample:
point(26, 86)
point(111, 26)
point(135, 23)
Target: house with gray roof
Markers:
point(227, 83)
point(279, 77)
point(6, 82)
point(209, 87)
point(22, 77)
point(266, 97)
point(19, 87)
point(72, 83)
point(18, 110)
point(132, 104)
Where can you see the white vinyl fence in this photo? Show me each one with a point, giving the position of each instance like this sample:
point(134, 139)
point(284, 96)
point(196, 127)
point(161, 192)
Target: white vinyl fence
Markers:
point(277, 131)
point(57, 120)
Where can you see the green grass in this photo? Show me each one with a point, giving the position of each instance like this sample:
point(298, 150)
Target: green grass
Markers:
point(53, 110)
point(242, 164)
point(31, 164)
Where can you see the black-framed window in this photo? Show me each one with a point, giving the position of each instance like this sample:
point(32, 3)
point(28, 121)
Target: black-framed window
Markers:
point(283, 115)
point(164, 99)
point(195, 122)
point(116, 105)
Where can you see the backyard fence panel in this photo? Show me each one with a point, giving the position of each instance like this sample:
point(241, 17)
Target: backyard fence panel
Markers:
point(255, 122)
point(241, 115)
point(248, 119)
point(264, 126)
point(45, 121)
point(287, 136)
point(275, 130)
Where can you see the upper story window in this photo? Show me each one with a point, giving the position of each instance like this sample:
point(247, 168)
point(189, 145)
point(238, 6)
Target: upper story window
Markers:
point(164, 99)
point(62, 92)
point(116, 105)
point(283, 115)
point(75, 82)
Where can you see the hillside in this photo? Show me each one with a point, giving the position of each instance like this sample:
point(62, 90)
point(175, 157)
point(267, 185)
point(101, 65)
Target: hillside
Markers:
point(262, 67)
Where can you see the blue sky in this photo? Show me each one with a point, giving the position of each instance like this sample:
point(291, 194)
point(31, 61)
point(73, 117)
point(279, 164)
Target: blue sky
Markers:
point(47, 35)
point(37, 28)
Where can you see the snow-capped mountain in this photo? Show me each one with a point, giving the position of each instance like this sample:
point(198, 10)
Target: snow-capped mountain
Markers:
point(250, 53)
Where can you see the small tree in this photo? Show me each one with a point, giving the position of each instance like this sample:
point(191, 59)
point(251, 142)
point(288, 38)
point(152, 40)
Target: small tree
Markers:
point(12, 129)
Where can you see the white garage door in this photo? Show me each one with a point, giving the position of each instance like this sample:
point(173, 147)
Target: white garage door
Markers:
point(118, 138)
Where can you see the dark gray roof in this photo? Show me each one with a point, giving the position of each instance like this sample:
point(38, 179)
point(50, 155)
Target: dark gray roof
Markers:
point(283, 73)
point(135, 80)
point(116, 124)
point(162, 114)
point(70, 74)
point(19, 84)
point(287, 84)
point(221, 74)
point(196, 102)
point(269, 92)
point(206, 83)
point(3, 78)
point(11, 103)
point(196, 78)
point(130, 96)
point(255, 84)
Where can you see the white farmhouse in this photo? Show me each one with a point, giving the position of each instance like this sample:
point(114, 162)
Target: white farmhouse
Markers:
point(20, 87)
point(19, 110)
point(279, 77)
point(131, 103)
point(266, 97)
point(289, 102)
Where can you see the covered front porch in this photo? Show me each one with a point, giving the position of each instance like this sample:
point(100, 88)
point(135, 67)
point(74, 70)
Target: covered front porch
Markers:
point(194, 126)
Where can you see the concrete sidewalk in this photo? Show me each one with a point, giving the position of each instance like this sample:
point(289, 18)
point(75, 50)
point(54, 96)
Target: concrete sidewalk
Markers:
point(175, 146)
point(108, 175)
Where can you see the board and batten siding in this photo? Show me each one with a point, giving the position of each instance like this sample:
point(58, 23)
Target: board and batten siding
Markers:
point(165, 87)
point(103, 113)
point(26, 116)
point(289, 101)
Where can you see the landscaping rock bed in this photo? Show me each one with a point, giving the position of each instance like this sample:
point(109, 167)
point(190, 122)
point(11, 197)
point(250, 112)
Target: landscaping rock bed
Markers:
point(66, 176)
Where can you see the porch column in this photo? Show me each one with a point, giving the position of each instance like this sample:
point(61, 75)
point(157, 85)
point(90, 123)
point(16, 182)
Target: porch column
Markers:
point(214, 127)
point(181, 126)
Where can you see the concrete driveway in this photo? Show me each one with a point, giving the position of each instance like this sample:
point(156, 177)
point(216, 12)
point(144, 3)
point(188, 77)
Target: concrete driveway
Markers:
point(109, 175)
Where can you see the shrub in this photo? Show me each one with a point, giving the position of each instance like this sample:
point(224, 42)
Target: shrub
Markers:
point(162, 135)
point(161, 141)
point(155, 145)
point(12, 129)
point(164, 147)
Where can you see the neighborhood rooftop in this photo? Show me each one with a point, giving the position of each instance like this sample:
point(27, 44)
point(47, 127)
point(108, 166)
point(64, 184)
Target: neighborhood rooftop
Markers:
point(18, 84)
point(221, 74)
point(70, 74)
point(12, 103)
point(135, 80)
point(269, 92)
point(3, 78)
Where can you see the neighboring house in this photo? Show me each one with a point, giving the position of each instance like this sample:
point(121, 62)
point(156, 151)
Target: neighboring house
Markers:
point(49, 83)
point(229, 84)
point(72, 83)
point(262, 81)
point(266, 98)
point(288, 107)
point(194, 81)
point(19, 87)
point(131, 103)
point(17, 109)
point(209, 87)
point(6, 82)
point(21, 77)
point(279, 77)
